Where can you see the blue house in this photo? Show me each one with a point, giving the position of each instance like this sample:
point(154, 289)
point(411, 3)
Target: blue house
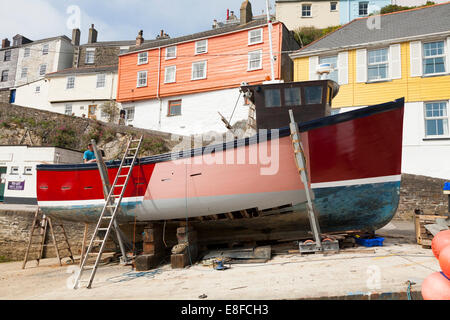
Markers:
point(353, 9)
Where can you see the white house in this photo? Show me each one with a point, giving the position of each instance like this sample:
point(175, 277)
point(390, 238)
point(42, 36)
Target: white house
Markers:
point(35, 60)
point(18, 170)
point(82, 91)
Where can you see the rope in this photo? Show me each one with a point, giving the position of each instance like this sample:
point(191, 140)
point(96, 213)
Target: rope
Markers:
point(240, 93)
point(187, 218)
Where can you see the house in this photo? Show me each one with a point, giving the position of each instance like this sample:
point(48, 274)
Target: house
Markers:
point(180, 85)
point(316, 13)
point(408, 57)
point(8, 66)
point(35, 60)
point(91, 79)
point(18, 170)
point(354, 9)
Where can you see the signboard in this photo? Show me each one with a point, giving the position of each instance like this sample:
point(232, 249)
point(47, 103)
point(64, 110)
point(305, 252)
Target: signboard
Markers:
point(16, 185)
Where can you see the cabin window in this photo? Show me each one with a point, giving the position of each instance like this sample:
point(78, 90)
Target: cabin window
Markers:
point(143, 58)
point(434, 57)
point(170, 74)
point(313, 95)
point(292, 97)
point(436, 119)
point(272, 97)
point(174, 108)
point(28, 171)
point(15, 170)
point(171, 53)
point(378, 64)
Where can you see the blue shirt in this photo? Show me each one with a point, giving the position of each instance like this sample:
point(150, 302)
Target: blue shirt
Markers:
point(89, 155)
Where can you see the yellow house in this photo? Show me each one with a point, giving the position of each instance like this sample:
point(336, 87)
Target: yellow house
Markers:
point(382, 58)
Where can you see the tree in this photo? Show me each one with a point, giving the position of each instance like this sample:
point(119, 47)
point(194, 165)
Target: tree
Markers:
point(111, 109)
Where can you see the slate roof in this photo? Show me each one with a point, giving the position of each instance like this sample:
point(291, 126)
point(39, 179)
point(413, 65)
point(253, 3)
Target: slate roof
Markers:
point(403, 24)
point(82, 70)
point(199, 35)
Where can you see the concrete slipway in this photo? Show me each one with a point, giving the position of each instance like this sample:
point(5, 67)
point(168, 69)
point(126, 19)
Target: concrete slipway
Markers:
point(363, 274)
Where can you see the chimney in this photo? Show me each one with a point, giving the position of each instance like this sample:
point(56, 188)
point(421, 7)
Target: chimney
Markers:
point(5, 43)
point(228, 14)
point(140, 38)
point(246, 12)
point(214, 24)
point(92, 35)
point(76, 34)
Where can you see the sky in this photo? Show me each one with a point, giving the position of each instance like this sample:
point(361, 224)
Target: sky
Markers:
point(115, 19)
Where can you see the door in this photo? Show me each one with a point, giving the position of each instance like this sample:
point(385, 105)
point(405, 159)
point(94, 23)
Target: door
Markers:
point(12, 98)
point(92, 112)
point(2, 183)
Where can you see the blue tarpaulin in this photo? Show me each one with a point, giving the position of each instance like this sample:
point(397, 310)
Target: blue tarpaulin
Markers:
point(447, 186)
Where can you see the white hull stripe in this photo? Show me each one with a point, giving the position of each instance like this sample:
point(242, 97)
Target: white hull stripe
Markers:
point(356, 182)
point(82, 203)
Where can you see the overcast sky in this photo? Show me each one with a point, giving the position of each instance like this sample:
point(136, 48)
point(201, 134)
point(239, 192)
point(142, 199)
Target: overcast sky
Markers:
point(114, 19)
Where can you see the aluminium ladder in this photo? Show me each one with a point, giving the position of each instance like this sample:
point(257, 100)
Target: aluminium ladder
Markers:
point(110, 211)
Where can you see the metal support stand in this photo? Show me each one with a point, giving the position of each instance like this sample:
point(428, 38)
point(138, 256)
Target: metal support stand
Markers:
point(317, 245)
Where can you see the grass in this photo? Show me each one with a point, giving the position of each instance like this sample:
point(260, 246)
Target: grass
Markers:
point(3, 259)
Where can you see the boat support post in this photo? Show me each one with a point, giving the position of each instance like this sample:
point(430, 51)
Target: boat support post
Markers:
point(106, 190)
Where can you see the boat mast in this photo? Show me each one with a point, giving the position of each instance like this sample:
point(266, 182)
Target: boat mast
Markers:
point(272, 58)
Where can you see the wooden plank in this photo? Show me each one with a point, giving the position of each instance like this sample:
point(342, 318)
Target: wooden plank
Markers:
point(245, 214)
point(229, 215)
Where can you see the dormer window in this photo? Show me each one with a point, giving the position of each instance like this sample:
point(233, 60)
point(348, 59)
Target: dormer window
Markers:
point(201, 47)
point(90, 55)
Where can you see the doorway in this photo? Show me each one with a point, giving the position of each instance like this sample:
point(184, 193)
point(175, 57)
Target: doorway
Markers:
point(92, 112)
point(2, 183)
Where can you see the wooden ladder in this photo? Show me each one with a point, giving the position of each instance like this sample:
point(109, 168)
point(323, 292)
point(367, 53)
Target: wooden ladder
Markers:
point(43, 224)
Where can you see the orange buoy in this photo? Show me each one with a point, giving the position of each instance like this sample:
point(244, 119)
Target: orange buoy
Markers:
point(444, 261)
point(440, 241)
point(436, 287)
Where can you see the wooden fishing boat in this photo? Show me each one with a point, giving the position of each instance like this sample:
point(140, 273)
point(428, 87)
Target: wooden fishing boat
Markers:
point(353, 163)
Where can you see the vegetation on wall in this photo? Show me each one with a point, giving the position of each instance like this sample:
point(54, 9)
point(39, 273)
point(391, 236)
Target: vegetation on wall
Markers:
point(111, 109)
point(395, 8)
point(306, 35)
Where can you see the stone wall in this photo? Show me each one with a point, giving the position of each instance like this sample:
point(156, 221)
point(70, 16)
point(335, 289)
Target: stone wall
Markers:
point(4, 96)
point(421, 193)
point(104, 56)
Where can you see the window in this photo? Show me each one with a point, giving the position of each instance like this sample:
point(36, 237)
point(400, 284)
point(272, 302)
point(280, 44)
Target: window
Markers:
point(313, 95)
point(7, 56)
point(123, 50)
point(333, 75)
point(142, 79)
point(272, 98)
point(101, 80)
point(24, 73)
point(174, 108)
point(201, 47)
point(292, 97)
point(436, 119)
point(129, 116)
point(377, 64)
point(14, 170)
point(171, 53)
point(170, 75)
point(143, 58)
point(70, 82)
point(68, 109)
point(199, 70)
point(255, 36)
point(333, 6)
point(255, 60)
point(45, 49)
point(363, 8)
point(434, 56)
point(38, 89)
point(306, 10)
point(5, 75)
point(42, 69)
point(90, 55)
point(27, 52)
point(28, 171)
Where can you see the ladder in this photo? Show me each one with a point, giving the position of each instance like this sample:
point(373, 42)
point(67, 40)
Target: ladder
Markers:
point(110, 211)
point(42, 225)
point(317, 245)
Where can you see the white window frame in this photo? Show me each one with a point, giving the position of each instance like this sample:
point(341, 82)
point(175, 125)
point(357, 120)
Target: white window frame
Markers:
point(205, 70)
point(303, 11)
point(378, 63)
point(24, 73)
point(45, 49)
point(15, 170)
point(359, 8)
point(90, 52)
point(197, 46)
point(138, 84)
point(40, 70)
point(249, 68)
point(141, 56)
point(68, 109)
point(70, 82)
point(261, 37)
point(166, 73)
point(101, 83)
point(436, 118)
point(127, 114)
point(27, 52)
point(28, 171)
point(167, 53)
point(336, 4)
point(443, 56)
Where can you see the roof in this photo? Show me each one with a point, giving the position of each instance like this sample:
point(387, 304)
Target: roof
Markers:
point(82, 70)
point(46, 40)
point(408, 24)
point(199, 35)
point(124, 43)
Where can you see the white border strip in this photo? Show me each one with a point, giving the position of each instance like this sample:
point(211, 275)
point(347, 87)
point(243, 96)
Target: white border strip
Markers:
point(82, 203)
point(348, 183)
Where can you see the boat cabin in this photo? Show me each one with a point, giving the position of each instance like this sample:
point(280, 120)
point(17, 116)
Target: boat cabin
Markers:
point(308, 100)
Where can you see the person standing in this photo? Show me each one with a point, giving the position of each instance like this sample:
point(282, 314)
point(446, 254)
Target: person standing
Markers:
point(89, 155)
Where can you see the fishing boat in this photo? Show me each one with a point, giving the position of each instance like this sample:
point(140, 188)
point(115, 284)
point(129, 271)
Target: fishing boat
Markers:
point(353, 164)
